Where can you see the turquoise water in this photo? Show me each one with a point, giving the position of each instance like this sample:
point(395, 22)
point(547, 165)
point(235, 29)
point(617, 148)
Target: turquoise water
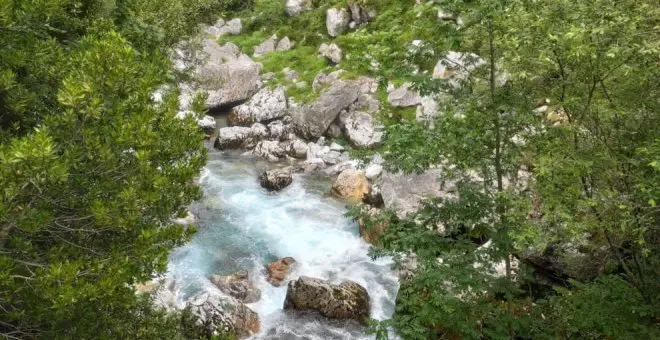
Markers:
point(242, 226)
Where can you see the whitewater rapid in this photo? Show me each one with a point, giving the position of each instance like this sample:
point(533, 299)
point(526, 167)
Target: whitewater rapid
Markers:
point(242, 226)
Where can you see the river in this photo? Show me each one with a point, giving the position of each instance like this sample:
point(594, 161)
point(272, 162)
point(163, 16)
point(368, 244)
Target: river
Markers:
point(242, 226)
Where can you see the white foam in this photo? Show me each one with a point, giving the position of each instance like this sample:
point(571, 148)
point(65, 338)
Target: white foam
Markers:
point(247, 227)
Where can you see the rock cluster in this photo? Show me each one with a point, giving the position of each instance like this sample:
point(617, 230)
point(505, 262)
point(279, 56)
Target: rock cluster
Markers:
point(347, 300)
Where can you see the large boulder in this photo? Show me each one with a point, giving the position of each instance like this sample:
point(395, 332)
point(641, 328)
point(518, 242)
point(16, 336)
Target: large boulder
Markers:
point(404, 96)
point(347, 300)
point(277, 271)
point(227, 76)
point(275, 180)
point(238, 286)
point(404, 193)
point(231, 83)
point(298, 149)
point(223, 315)
point(270, 150)
point(331, 51)
point(351, 185)
point(360, 129)
point(236, 137)
point(313, 120)
point(337, 20)
point(266, 105)
point(295, 7)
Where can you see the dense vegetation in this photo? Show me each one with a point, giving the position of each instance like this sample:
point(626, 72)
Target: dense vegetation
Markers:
point(553, 231)
point(92, 169)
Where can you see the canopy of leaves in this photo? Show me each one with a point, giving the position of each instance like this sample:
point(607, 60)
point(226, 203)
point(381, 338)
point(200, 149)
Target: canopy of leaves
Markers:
point(92, 168)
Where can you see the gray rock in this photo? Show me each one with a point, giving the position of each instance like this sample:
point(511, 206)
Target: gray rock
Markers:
point(377, 159)
point(365, 103)
point(321, 80)
point(313, 164)
point(237, 285)
point(313, 120)
point(232, 27)
point(404, 96)
point(270, 150)
point(404, 193)
point(298, 149)
point(346, 164)
point(284, 45)
point(259, 130)
point(372, 171)
point(336, 147)
point(295, 7)
point(265, 105)
point(331, 51)
point(278, 130)
point(235, 137)
point(337, 20)
point(229, 83)
point(223, 314)
point(360, 129)
point(290, 74)
point(275, 180)
point(347, 300)
point(267, 46)
point(332, 157)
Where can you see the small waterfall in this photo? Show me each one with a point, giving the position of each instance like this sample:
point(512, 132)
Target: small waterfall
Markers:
point(241, 226)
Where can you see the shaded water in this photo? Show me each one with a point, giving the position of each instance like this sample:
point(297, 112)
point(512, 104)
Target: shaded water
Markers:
point(241, 226)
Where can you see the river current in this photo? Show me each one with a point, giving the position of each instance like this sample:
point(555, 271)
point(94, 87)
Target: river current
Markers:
point(241, 226)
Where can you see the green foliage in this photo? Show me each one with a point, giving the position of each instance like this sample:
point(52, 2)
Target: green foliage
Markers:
point(592, 178)
point(92, 169)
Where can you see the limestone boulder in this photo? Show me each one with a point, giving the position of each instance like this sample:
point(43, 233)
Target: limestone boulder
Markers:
point(229, 83)
point(361, 129)
point(270, 150)
point(313, 120)
point(331, 52)
point(347, 300)
point(266, 105)
point(298, 149)
point(275, 180)
point(236, 137)
point(267, 46)
point(337, 20)
point(223, 314)
point(404, 96)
